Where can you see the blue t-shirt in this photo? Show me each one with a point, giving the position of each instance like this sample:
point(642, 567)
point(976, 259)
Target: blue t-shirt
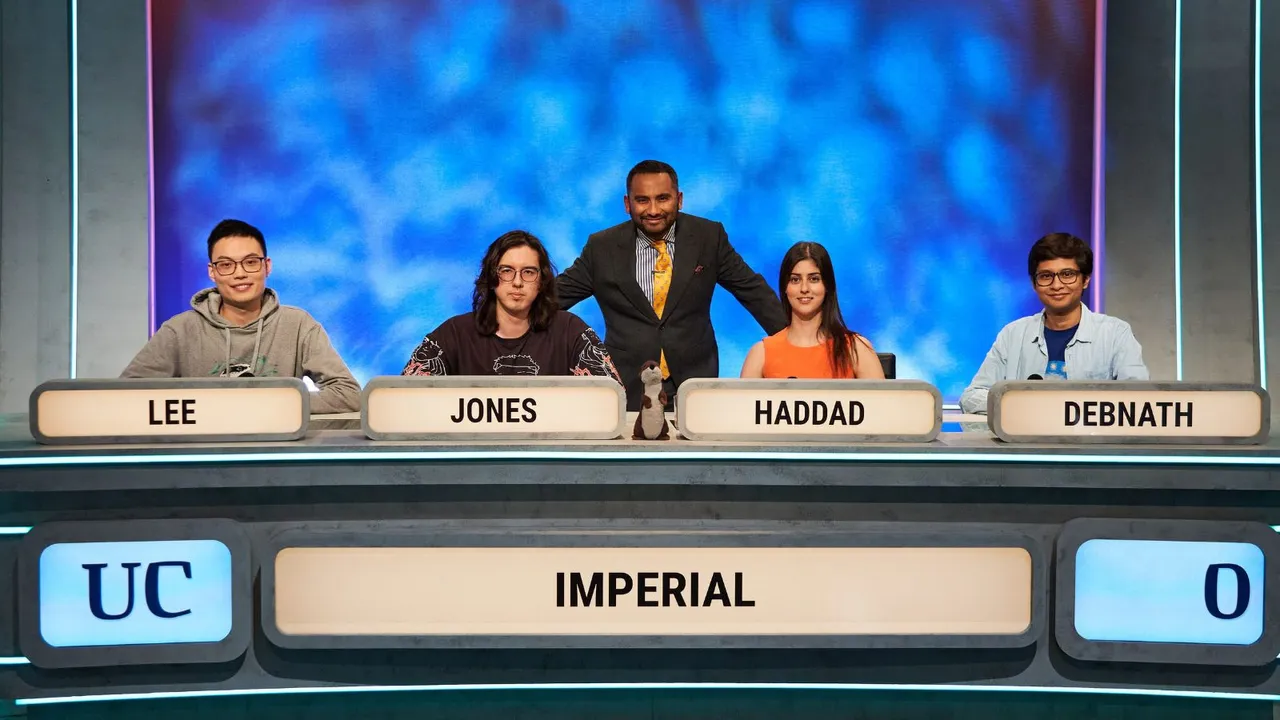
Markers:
point(1056, 342)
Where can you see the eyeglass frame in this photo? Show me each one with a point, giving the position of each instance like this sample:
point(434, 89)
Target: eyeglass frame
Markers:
point(1056, 276)
point(213, 265)
point(512, 279)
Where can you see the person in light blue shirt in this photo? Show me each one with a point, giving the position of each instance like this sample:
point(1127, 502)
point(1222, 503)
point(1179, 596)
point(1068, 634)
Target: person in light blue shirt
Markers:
point(1066, 341)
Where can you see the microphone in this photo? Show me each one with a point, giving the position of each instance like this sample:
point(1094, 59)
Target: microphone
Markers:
point(1034, 376)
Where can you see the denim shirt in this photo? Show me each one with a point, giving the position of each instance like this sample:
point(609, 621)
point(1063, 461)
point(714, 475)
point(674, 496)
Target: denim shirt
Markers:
point(1103, 349)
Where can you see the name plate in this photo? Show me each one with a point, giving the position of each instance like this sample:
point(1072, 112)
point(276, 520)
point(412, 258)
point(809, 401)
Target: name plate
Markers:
point(817, 410)
point(1119, 412)
point(493, 408)
point(169, 410)
point(365, 596)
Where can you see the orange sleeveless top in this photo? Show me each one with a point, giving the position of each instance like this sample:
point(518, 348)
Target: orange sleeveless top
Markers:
point(783, 360)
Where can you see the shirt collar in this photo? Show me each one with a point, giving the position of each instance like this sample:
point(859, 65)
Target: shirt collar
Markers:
point(669, 237)
point(1084, 331)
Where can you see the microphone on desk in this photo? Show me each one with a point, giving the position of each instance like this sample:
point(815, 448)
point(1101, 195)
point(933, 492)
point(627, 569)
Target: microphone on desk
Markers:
point(1034, 376)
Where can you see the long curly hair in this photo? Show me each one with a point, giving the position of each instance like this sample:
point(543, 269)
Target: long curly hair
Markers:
point(484, 298)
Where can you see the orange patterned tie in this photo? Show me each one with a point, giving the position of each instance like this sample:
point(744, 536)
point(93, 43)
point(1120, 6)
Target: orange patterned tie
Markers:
point(661, 286)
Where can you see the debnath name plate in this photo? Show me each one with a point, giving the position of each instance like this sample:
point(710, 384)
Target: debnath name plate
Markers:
point(493, 408)
point(1119, 412)
point(169, 410)
point(813, 410)
point(367, 596)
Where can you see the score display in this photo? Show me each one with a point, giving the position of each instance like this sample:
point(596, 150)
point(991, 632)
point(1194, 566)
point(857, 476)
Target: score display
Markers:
point(1166, 591)
point(1169, 591)
point(108, 593)
point(101, 594)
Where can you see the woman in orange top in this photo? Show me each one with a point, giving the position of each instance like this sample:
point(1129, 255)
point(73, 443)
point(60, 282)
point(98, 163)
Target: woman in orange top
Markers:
point(816, 344)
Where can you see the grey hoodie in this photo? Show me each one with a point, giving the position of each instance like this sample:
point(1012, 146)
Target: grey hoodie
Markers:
point(283, 341)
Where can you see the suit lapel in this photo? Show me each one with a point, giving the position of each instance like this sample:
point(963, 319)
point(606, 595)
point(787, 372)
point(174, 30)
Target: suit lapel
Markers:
point(625, 266)
point(688, 250)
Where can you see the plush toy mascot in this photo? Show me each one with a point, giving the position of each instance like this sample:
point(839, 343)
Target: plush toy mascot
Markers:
point(651, 423)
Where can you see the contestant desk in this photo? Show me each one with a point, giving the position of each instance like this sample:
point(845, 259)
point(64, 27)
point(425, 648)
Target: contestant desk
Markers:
point(677, 493)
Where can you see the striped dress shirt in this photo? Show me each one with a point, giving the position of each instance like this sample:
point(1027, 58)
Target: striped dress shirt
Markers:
point(647, 259)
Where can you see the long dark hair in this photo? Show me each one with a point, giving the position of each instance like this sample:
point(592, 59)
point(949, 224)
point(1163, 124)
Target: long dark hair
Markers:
point(832, 326)
point(484, 300)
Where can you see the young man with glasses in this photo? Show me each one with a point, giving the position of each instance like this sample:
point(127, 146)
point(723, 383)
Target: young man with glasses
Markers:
point(238, 328)
point(1066, 341)
point(515, 326)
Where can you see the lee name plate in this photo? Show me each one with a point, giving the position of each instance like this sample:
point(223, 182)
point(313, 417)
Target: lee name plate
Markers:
point(811, 410)
point(1119, 412)
point(493, 408)
point(169, 410)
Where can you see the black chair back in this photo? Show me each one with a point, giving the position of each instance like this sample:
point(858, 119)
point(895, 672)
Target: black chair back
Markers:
point(890, 363)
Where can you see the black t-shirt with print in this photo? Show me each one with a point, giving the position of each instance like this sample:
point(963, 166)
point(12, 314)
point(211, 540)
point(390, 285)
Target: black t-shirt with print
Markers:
point(567, 347)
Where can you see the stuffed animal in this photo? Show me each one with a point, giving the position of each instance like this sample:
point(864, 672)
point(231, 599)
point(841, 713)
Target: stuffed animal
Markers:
point(651, 423)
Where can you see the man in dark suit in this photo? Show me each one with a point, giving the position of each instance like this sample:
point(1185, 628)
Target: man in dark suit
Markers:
point(653, 278)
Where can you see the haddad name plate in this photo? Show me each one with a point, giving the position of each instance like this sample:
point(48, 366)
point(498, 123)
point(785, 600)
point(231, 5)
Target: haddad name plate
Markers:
point(821, 410)
point(1118, 412)
point(169, 410)
point(493, 408)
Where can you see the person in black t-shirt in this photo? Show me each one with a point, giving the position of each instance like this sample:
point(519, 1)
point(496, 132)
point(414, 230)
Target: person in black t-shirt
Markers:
point(515, 326)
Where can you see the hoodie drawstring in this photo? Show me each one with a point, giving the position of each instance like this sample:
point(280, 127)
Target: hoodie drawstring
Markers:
point(208, 304)
point(253, 359)
point(257, 342)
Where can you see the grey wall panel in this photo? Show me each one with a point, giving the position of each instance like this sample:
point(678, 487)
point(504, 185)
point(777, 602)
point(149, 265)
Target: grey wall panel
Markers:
point(1138, 277)
point(1219, 322)
point(113, 185)
point(35, 251)
point(1269, 92)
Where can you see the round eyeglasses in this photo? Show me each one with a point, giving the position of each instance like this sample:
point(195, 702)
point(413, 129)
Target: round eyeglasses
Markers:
point(1068, 277)
point(507, 274)
point(225, 266)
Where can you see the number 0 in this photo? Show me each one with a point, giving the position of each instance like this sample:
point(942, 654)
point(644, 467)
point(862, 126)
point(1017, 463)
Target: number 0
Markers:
point(1211, 591)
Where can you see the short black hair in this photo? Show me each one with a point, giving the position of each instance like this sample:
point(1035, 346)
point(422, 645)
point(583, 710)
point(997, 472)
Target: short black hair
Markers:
point(235, 228)
point(653, 167)
point(1061, 245)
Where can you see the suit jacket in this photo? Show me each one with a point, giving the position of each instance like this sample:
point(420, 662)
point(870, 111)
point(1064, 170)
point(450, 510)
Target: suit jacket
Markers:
point(633, 332)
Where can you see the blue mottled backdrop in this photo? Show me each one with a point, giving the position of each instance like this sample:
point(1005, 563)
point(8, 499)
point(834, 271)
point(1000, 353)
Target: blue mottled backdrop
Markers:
point(382, 144)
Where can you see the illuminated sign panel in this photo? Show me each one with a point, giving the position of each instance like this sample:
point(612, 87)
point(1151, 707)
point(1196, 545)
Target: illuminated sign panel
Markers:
point(372, 592)
point(494, 408)
point(1169, 591)
point(1131, 411)
point(809, 410)
point(1190, 592)
point(135, 593)
point(169, 410)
